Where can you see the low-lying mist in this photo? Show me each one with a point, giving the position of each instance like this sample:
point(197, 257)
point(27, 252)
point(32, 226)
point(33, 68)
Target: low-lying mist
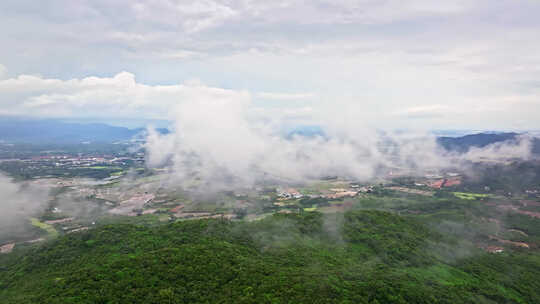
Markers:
point(224, 143)
point(19, 202)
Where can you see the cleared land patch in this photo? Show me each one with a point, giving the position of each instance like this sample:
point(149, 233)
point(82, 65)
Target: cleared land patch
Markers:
point(470, 196)
point(412, 191)
point(47, 227)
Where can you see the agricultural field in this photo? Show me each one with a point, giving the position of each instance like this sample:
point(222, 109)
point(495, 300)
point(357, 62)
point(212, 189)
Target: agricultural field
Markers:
point(470, 196)
point(51, 231)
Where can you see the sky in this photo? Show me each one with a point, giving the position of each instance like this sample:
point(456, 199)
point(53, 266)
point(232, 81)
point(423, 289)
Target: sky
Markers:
point(401, 64)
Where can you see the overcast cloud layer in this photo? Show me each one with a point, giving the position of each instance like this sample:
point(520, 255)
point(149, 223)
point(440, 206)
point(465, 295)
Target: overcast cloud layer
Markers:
point(414, 64)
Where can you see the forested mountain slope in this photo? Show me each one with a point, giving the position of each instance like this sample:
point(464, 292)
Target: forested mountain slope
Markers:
point(355, 257)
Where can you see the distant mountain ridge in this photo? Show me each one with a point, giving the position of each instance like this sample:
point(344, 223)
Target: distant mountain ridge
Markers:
point(53, 131)
point(464, 143)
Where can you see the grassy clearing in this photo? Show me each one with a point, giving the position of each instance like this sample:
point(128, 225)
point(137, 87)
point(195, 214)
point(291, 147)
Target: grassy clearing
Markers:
point(469, 196)
point(323, 186)
point(258, 217)
point(52, 233)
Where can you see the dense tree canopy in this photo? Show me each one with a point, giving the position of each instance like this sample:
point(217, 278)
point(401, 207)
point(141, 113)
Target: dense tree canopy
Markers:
point(355, 257)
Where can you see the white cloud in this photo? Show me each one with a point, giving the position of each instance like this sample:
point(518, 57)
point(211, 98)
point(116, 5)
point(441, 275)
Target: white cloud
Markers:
point(370, 59)
point(285, 96)
point(220, 145)
point(19, 202)
point(181, 54)
point(186, 15)
point(435, 110)
point(93, 97)
point(122, 97)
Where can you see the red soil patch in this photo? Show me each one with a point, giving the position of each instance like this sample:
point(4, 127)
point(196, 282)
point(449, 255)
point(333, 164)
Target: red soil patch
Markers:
point(452, 182)
point(176, 209)
point(436, 184)
point(445, 182)
point(7, 248)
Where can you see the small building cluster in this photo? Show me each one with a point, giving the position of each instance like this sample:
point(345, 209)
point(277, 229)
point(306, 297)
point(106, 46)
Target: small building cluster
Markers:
point(289, 193)
point(333, 193)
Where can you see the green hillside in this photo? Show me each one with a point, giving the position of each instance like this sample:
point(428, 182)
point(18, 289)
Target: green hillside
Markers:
point(355, 257)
